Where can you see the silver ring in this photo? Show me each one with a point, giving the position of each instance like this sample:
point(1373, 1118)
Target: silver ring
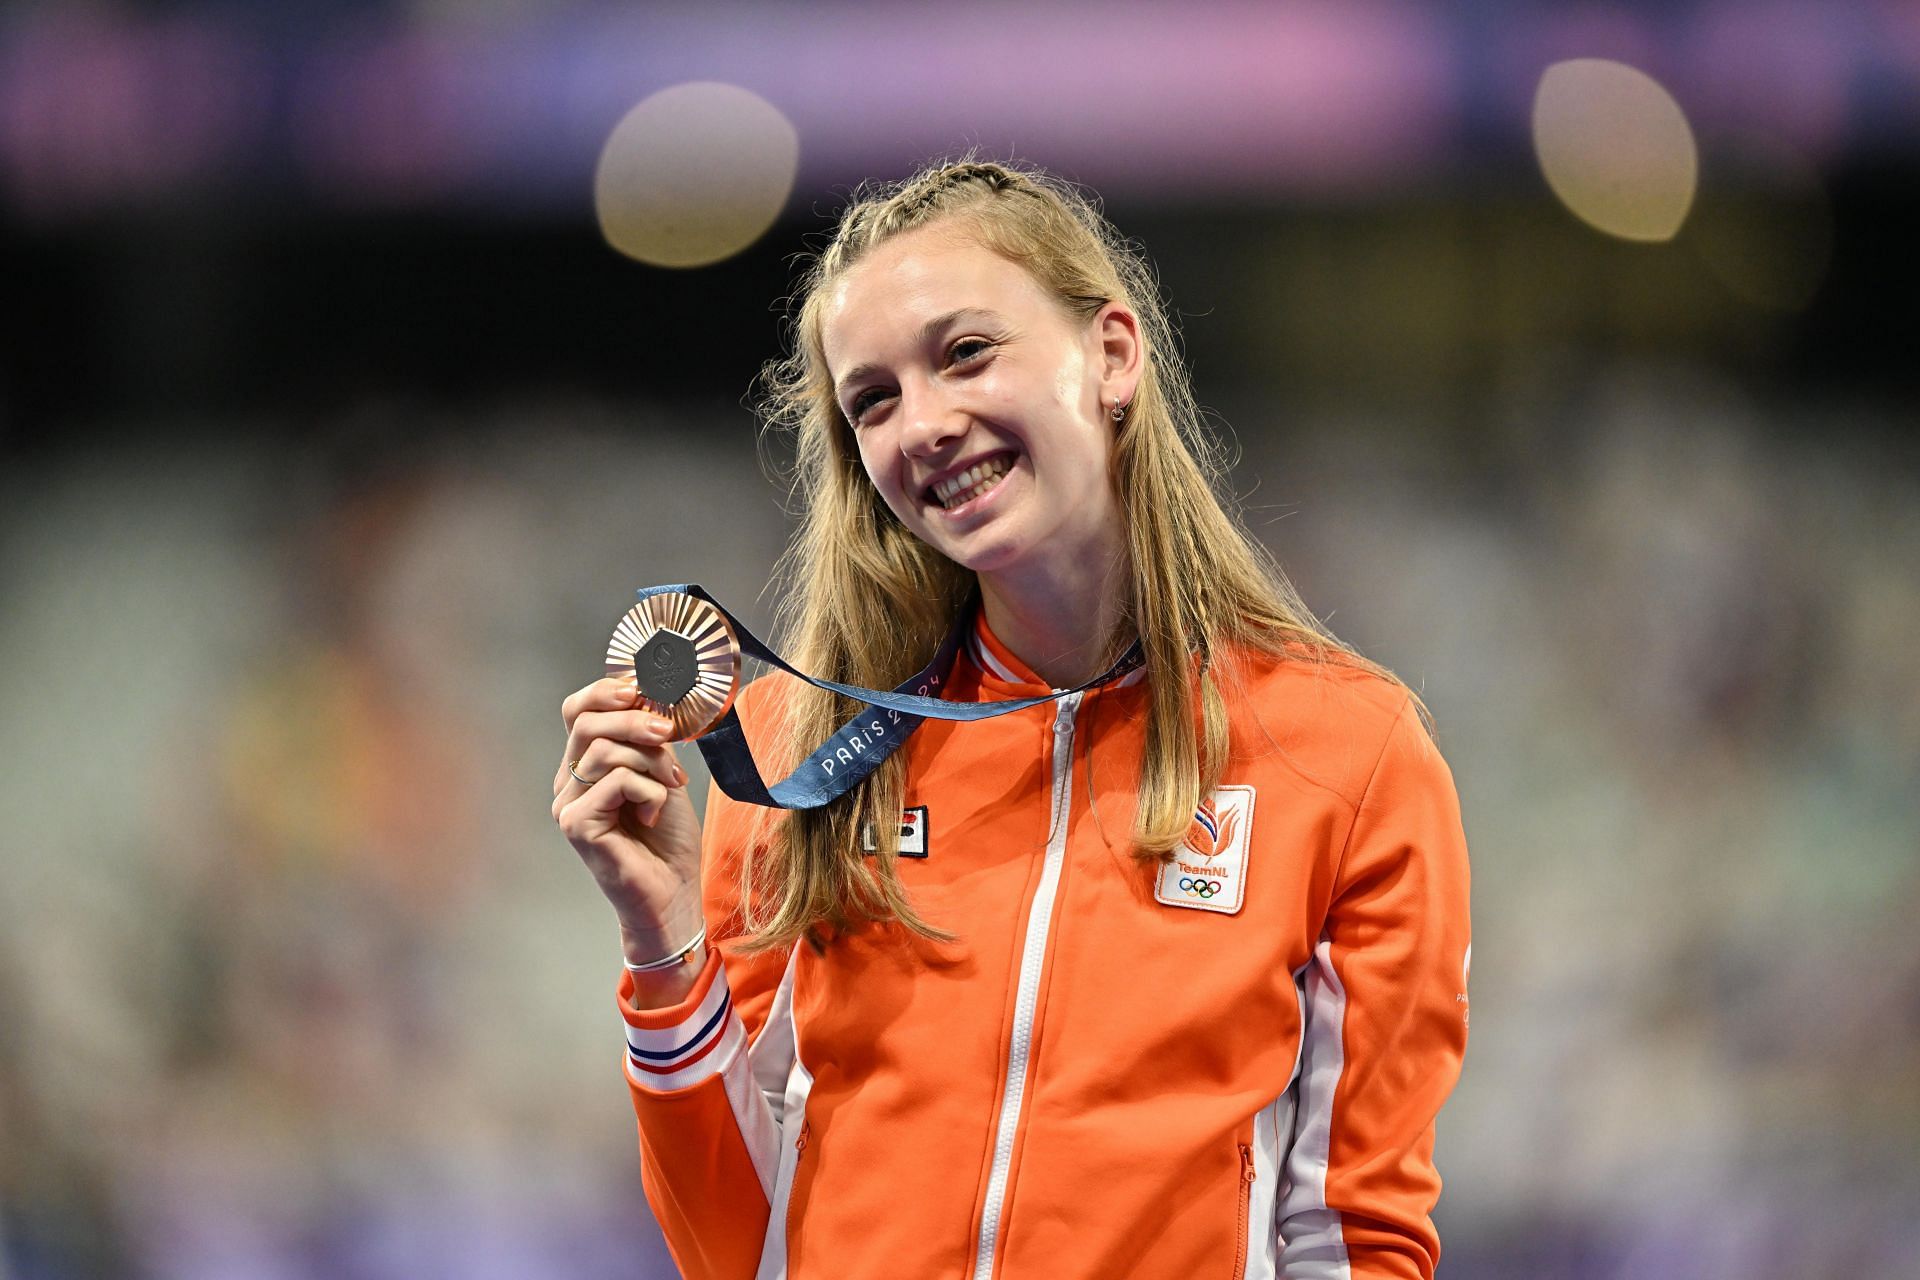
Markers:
point(576, 777)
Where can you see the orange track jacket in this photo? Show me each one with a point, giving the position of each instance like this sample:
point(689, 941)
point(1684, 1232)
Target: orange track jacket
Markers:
point(1226, 1065)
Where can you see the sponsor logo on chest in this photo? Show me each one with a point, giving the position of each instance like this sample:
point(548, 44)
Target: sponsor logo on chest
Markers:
point(1209, 870)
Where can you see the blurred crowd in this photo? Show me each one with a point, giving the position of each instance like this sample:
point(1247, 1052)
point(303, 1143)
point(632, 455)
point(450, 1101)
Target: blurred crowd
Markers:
point(298, 980)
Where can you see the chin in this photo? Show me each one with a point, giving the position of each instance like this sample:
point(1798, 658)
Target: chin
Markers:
point(991, 557)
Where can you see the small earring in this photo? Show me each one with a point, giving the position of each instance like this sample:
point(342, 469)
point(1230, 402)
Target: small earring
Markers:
point(1119, 410)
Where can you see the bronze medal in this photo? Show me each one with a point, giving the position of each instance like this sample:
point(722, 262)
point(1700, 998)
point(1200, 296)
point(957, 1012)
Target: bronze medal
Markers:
point(684, 657)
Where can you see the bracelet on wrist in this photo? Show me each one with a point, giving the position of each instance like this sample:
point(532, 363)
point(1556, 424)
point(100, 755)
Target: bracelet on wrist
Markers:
point(680, 955)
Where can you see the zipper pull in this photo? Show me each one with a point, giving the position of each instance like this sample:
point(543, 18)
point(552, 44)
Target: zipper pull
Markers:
point(1246, 1164)
point(1063, 714)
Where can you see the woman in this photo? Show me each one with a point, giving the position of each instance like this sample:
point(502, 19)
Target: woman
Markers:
point(1166, 978)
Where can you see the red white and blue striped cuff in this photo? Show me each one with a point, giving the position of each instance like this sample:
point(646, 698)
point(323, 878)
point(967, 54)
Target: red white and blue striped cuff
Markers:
point(683, 1044)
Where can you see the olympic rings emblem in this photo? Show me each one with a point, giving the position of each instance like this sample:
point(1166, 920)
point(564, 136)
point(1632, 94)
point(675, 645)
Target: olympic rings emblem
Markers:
point(1200, 888)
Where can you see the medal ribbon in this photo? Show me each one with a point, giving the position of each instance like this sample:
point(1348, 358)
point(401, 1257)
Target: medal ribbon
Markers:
point(876, 732)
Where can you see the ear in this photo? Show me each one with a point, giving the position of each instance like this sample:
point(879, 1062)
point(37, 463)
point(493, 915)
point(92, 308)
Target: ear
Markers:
point(1115, 330)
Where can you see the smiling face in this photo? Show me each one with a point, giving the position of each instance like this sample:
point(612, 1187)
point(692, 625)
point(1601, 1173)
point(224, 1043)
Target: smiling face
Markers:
point(977, 403)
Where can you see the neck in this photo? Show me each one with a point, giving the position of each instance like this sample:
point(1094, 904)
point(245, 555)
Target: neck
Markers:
point(1060, 620)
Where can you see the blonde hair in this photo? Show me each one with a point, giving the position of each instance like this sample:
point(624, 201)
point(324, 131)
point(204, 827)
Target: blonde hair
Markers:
point(869, 603)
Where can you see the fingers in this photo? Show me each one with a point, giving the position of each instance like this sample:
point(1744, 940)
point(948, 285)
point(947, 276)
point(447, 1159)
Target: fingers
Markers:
point(603, 756)
point(590, 816)
point(642, 728)
point(636, 728)
point(608, 694)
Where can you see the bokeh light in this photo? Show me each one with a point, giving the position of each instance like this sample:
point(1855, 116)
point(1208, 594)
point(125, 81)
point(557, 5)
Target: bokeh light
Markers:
point(694, 174)
point(1616, 148)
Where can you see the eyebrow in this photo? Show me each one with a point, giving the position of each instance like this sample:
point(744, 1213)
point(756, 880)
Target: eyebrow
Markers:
point(927, 331)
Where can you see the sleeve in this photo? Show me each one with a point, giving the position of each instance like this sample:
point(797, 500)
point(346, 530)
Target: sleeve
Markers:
point(1384, 1028)
point(707, 1077)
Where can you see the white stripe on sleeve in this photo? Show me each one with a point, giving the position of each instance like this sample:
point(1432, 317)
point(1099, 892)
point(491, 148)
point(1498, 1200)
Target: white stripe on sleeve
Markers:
point(1311, 1243)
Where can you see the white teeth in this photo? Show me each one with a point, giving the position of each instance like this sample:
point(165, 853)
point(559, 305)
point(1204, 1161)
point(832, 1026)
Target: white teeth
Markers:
point(982, 474)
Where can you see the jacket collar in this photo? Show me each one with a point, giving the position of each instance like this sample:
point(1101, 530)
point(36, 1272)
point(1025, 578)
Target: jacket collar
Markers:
point(999, 665)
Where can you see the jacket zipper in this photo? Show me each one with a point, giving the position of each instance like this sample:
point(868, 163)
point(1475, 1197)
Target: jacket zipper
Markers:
point(799, 1150)
point(1246, 1195)
point(1033, 955)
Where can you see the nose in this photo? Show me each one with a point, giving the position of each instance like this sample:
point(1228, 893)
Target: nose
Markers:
point(930, 421)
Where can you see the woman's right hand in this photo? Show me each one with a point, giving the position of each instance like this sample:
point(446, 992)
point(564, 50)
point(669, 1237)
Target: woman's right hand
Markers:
point(633, 827)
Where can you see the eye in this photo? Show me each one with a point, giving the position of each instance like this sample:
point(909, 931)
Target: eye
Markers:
point(953, 355)
point(858, 409)
point(965, 351)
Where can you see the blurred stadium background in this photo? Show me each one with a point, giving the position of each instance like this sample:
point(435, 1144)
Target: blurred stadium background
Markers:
point(1568, 350)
